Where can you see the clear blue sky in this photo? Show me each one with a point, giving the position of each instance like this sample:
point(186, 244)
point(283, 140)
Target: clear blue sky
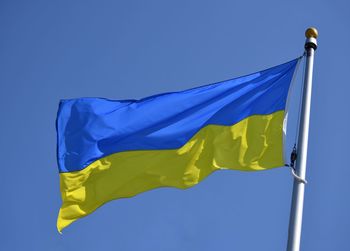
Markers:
point(51, 50)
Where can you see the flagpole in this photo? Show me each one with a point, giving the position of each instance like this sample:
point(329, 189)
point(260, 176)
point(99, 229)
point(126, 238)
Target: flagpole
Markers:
point(296, 214)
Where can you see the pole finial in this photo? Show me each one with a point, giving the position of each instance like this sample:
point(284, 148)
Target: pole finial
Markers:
point(311, 33)
point(311, 38)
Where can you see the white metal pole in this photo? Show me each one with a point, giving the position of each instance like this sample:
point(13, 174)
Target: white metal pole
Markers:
point(296, 214)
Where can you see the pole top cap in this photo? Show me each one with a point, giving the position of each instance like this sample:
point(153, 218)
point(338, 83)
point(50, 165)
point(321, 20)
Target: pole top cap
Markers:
point(311, 33)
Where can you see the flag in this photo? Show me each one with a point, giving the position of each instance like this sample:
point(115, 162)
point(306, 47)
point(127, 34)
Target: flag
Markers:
point(111, 149)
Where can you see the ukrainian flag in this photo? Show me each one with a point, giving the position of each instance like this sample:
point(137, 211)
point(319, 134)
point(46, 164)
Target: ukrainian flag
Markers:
point(116, 149)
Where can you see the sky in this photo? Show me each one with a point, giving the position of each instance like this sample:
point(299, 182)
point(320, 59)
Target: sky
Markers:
point(52, 50)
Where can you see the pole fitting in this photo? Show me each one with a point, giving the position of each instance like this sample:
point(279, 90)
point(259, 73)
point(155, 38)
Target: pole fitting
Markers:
point(311, 35)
